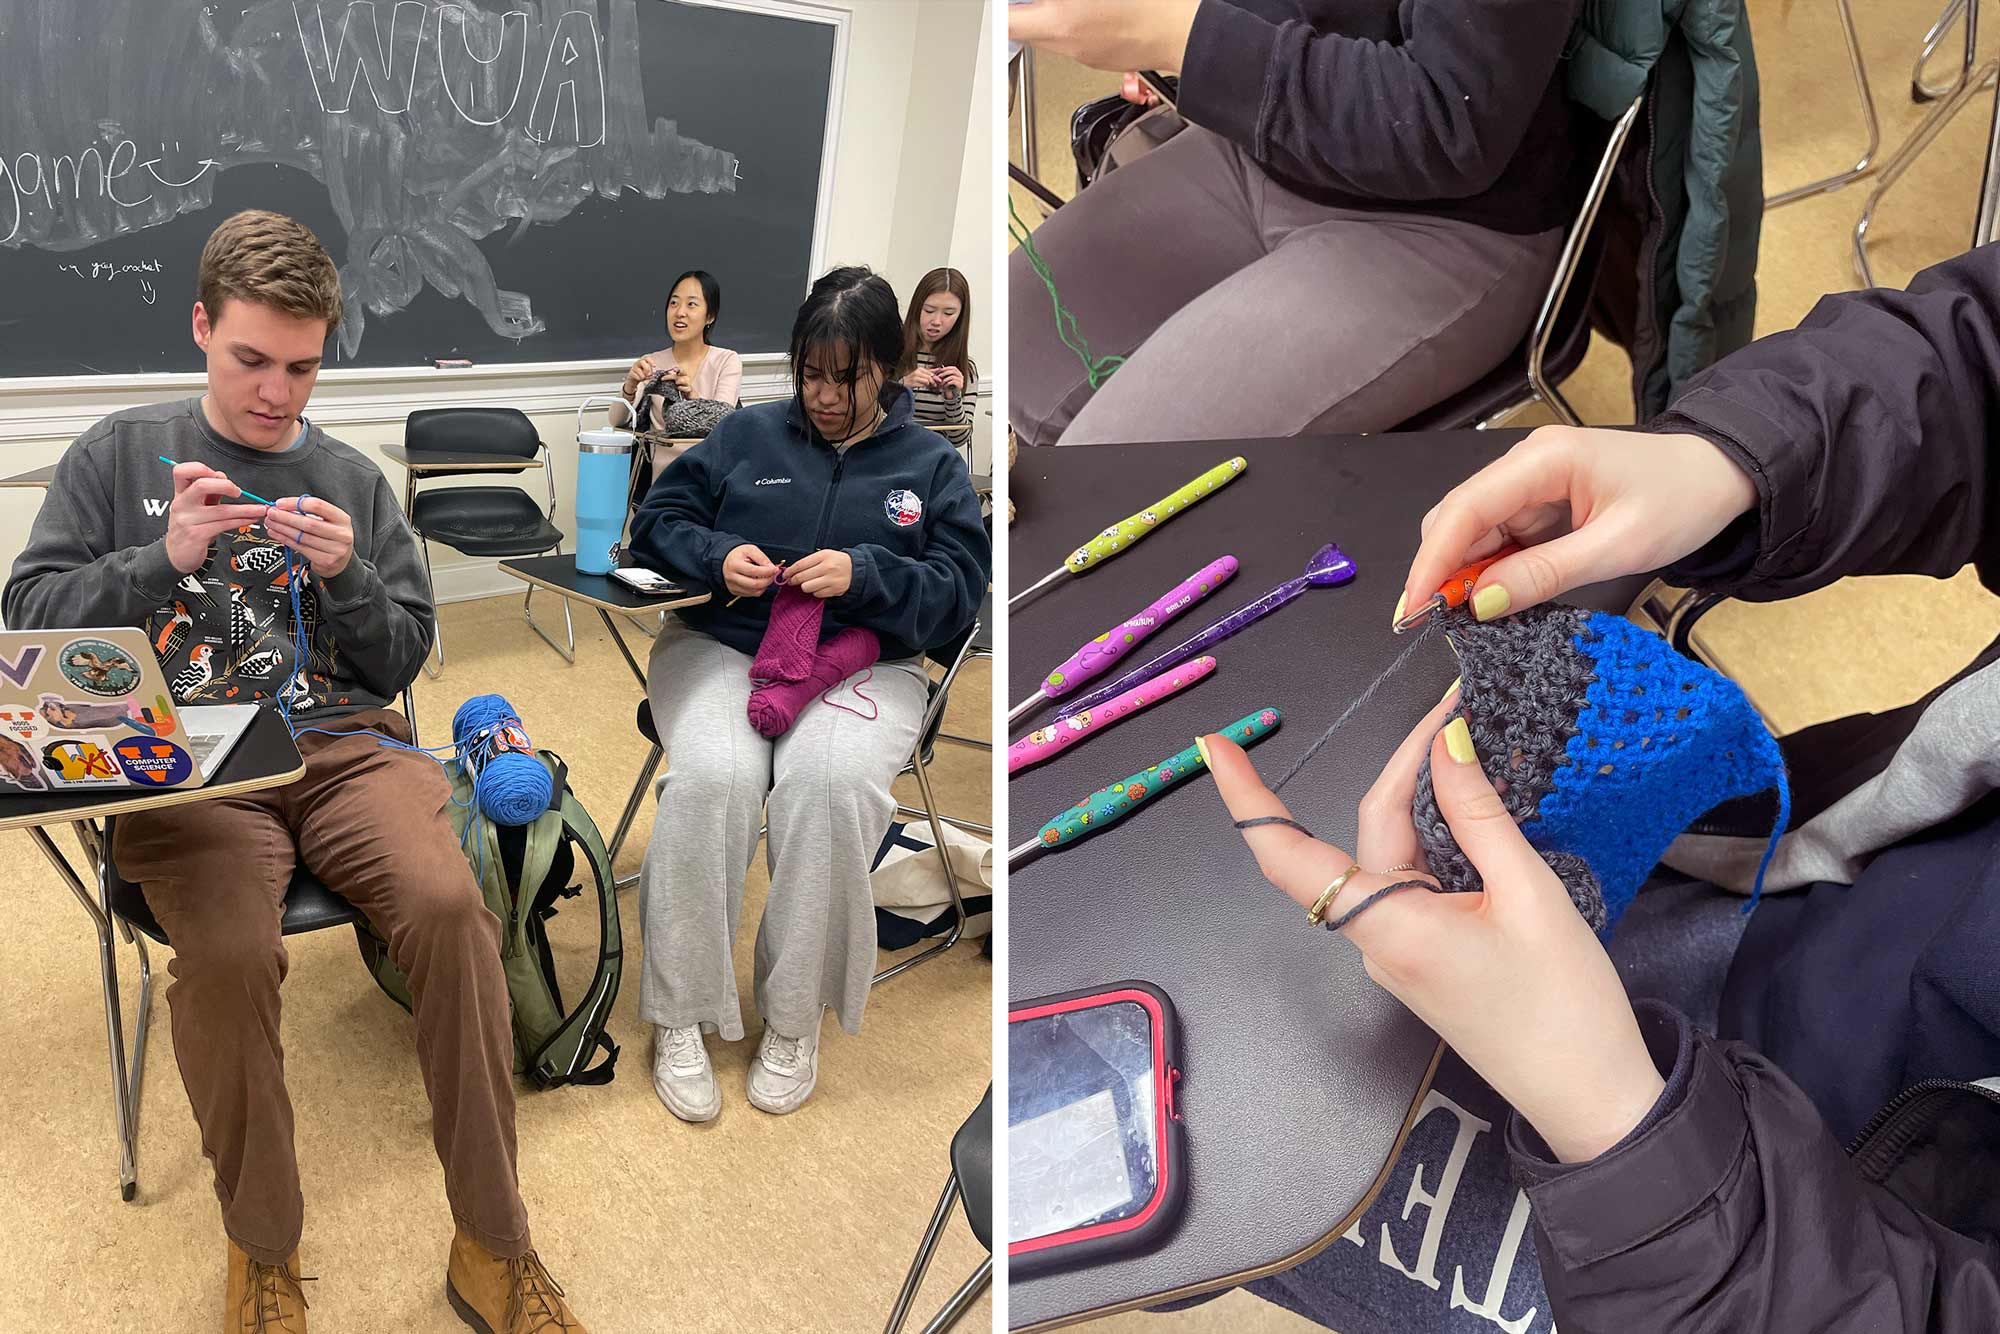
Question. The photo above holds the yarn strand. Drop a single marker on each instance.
(1096, 369)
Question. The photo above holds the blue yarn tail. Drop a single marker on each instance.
(1771, 848)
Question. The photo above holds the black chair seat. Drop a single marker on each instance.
(972, 1164)
(646, 727)
(485, 521)
(309, 906)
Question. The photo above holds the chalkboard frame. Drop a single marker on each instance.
(143, 385)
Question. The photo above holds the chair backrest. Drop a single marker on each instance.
(972, 1164)
(470, 431)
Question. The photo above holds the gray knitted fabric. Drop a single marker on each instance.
(1521, 682)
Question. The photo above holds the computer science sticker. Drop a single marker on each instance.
(150, 762)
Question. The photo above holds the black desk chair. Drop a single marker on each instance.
(972, 1180)
(483, 520)
(309, 906)
(975, 642)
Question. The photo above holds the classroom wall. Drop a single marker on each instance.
(884, 211)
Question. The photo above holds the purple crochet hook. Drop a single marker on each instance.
(1328, 568)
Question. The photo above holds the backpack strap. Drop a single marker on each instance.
(560, 1057)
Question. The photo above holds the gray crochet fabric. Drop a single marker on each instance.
(683, 418)
(1521, 683)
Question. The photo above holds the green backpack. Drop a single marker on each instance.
(522, 871)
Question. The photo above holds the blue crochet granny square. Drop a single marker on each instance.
(1605, 744)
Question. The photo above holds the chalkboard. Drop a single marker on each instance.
(499, 180)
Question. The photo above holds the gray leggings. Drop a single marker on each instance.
(1247, 311)
(823, 786)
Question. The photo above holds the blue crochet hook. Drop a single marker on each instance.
(247, 495)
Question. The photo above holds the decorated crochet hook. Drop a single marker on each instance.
(1328, 567)
(1454, 590)
(1123, 535)
(247, 495)
(1048, 742)
(1110, 804)
(1098, 655)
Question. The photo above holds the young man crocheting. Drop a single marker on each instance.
(123, 539)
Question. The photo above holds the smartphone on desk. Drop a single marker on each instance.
(1096, 1161)
(649, 582)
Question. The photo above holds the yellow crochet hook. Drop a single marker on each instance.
(1122, 536)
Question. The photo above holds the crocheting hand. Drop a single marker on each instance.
(824, 574)
(1586, 505)
(1511, 977)
(747, 571)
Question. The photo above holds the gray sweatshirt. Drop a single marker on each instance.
(227, 634)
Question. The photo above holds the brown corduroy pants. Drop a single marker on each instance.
(370, 821)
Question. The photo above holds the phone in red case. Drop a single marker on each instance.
(1096, 1152)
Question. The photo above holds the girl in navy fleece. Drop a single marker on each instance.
(858, 506)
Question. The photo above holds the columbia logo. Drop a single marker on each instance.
(774, 481)
(155, 507)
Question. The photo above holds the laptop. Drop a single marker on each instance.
(84, 709)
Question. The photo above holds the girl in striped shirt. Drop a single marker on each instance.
(935, 367)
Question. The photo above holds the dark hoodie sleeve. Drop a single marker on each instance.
(1437, 116)
(674, 529)
(1733, 1208)
(925, 601)
(1868, 433)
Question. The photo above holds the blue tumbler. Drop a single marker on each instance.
(603, 483)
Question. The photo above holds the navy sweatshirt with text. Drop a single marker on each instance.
(900, 503)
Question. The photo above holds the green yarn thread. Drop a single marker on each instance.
(1096, 369)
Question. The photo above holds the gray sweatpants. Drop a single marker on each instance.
(1245, 310)
(823, 786)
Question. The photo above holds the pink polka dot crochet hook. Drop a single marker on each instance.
(1097, 655)
(1048, 742)
(1110, 804)
(1122, 536)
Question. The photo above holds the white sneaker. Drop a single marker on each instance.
(682, 1075)
(783, 1075)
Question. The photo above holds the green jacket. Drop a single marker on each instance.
(1678, 284)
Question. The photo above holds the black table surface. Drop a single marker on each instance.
(560, 573)
(1300, 1074)
(264, 756)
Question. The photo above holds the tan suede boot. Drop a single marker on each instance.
(264, 1299)
(501, 1296)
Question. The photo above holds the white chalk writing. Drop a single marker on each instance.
(51, 178)
(100, 270)
(353, 50)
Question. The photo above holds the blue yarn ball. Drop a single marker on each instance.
(512, 787)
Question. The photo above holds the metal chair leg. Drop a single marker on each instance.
(1828, 184)
(1920, 91)
(950, 879)
(646, 772)
(1899, 162)
(962, 1300)
(569, 629)
(922, 1263)
(125, 1085)
(437, 619)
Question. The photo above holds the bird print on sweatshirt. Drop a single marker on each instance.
(229, 635)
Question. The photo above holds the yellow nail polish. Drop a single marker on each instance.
(1202, 748)
(1448, 690)
(1490, 601)
(1458, 741)
(1396, 617)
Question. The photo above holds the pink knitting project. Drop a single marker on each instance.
(792, 666)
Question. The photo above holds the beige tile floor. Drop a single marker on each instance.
(754, 1222)
(1862, 645)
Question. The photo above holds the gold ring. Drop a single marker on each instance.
(1399, 866)
(1317, 913)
